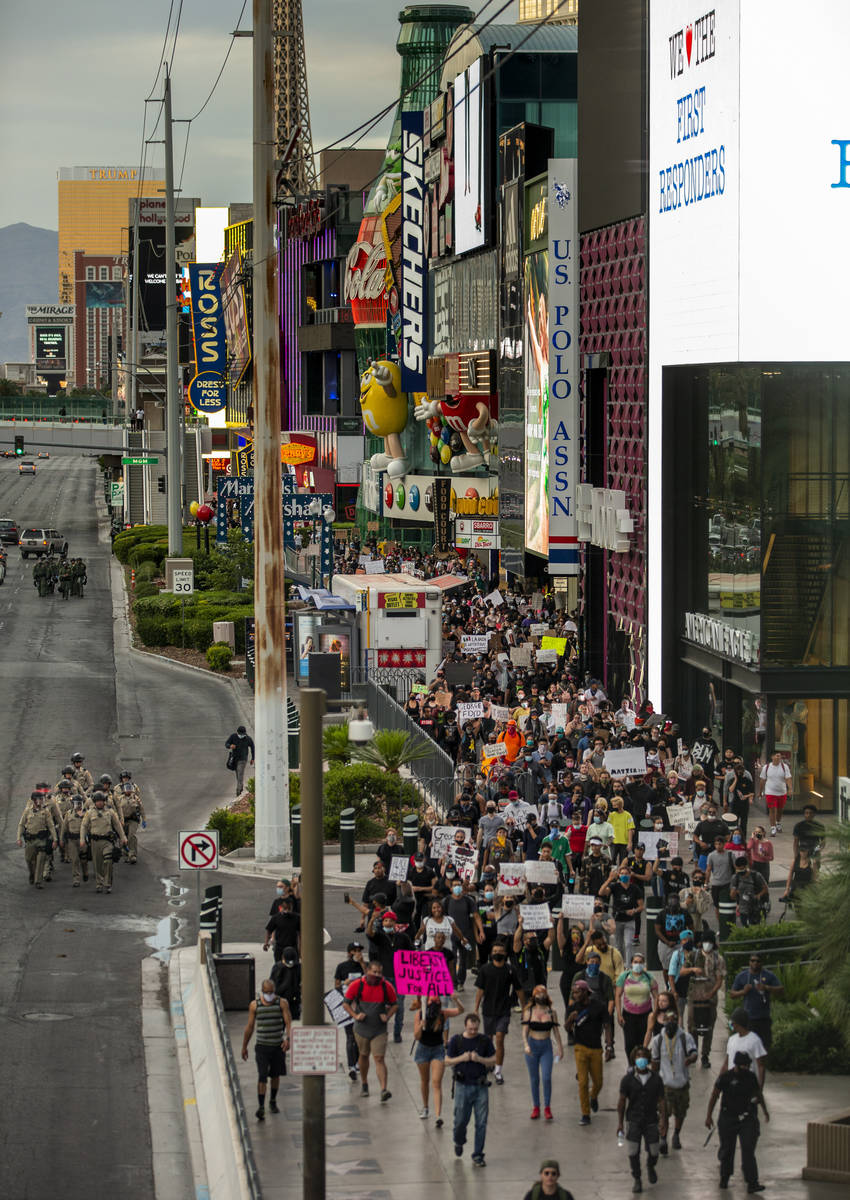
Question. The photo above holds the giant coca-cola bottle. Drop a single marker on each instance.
(426, 30)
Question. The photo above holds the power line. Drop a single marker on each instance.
(162, 53)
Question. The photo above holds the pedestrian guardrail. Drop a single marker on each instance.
(434, 774)
(251, 1172)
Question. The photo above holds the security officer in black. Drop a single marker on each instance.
(740, 1096)
(646, 1117)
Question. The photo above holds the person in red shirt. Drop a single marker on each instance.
(372, 1002)
(577, 833)
(760, 852)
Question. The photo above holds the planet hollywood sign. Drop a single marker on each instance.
(739, 645)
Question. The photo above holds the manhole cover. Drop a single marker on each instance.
(47, 1016)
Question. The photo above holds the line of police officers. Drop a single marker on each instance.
(86, 822)
(68, 573)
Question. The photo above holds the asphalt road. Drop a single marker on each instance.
(75, 1118)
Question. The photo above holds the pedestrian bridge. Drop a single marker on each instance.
(67, 436)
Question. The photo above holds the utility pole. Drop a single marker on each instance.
(271, 813)
(172, 400)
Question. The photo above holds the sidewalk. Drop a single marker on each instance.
(386, 1152)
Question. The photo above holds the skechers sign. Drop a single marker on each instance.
(414, 264)
(207, 391)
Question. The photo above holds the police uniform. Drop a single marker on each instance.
(53, 808)
(71, 778)
(38, 833)
(131, 811)
(76, 850)
(84, 779)
(99, 828)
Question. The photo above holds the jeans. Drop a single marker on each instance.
(469, 1098)
(399, 1019)
(623, 931)
(539, 1061)
(588, 1067)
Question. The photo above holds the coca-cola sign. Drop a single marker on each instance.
(305, 220)
(365, 275)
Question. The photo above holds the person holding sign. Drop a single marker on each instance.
(372, 1002)
(429, 1031)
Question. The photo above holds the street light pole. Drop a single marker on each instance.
(271, 823)
(312, 934)
(172, 400)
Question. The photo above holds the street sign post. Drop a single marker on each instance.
(314, 1050)
(183, 581)
(197, 850)
(140, 461)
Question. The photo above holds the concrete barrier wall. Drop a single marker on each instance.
(83, 438)
(226, 1176)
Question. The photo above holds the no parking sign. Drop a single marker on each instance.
(198, 850)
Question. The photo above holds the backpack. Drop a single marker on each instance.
(560, 1194)
(362, 984)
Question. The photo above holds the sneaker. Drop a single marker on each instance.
(585, 1120)
(397, 1038)
(261, 1114)
(499, 1077)
(364, 1091)
(273, 1107)
(636, 937)
(724, 1182)
(547, 1113)
(651, 1173)
(438, 1124)
(535, 1112)
(677, 1145)
(97, 889)
(109, 889)
(778, 826)
(637, 1186)
(385, 1096)
(40, 887)
(705, 1061)
(424, 1114)
(594, 1105)
(352, 1074)
(478, 1160)
(458, 1150)
(75, 885)
(755, 1187)
(773, 831)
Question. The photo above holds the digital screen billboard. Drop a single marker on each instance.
(471, 206)
(51, 347)
(535, 295)
(104, 293)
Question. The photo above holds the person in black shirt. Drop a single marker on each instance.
(286, 977)
(706, 831)
(642, 1113)
(390, 849)
(286, 890)
(348, 970)
(378, 885)
(587, 1016)
(626, 904)
(496, 982)
(285, 928)
(470, 1055)
(740, 1096)
(808, 833)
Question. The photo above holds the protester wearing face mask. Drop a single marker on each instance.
(682, 966)
(703, 993)
(642, 1116)
(760, 852)
(389, 848)
(748, 890)
(372, 1003)
(349, 970)
(740, 1096)
(673, 1051)
(587, 1021)
(269, 1015)
(540, 1031)
(496, 982)
(462, 910)
(626, 904)
(385, 938)
(696, 902)
(635, 996)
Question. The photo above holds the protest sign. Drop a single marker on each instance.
(398, 868)
(420, 689)
(521, 656)
(650, 842)
(498, 713)
(470, 711)
(494, 598)
(535, 916)
(619, 763)
(449, 645)
(537, 600)
(578, 908)
(333, 1003)
(559, 716)
(537, 628)
(512, 879)
(463, 858)
(421, 973)
(541, 872)
(443, 836)
(554, 643)
(495, 750)
(375, 567)
(547, 656)
(459, 673)
(682, 814)
(474, 643)
(443, 699)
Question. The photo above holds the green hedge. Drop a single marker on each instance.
(145, 572)
(219, 656)
(805, 1042)
(366, 789)
(145, 588)
(234, 829)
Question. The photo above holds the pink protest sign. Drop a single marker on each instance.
(421, 973)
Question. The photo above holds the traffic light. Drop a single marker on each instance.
(19, 444)
(160, 484)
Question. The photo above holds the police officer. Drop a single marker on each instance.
(75, 849)
(101, 828)
(39, 577)
(81, 774)
(78, 577)
(740, 1096)
(52, 807)
(127, 800)
(118, 790)
(69, 775)
(37, 832)
(65, 575)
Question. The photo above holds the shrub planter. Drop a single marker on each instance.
(828, 1149)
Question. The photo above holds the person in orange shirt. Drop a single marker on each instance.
(513, 740)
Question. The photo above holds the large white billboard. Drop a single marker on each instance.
(470, 182)
(749, 202)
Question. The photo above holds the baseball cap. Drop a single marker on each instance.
(584, 985)
(354, 946)
(513, 795)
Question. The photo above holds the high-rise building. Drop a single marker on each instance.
(556, 12)
(100, 322)
(93, 213)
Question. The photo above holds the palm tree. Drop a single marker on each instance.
(336, 748)
(392, 749)
(825, 912)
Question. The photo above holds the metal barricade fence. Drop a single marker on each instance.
(432, 775)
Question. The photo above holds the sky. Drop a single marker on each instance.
(75, 76)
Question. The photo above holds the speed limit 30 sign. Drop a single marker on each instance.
(198, 850)
(183, 581)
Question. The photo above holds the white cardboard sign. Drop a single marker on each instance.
(536, 916)
(512, 879)
(620, 763)
(398, 868)
(578, 908)
(314, 1050)
(469, 711)
(443, 836)
(474, 643)
(651, 840)
(541, 872)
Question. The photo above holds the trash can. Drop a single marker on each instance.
(236, 981)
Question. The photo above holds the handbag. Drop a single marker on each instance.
(231, 760)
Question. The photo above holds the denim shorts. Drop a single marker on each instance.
(426, 1054)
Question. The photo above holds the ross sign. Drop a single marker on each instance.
(474, 643)
(421, 973)
(443, 836)
(414, 260)
(620, 763)
(207, 319)
(471, 711)
(207, 392)
(313, 1050)
(198, 850)
(535, 916)
(737, 644)
(578, 908)
(512, 879)
(563, 330)
(139, 461)
(398, 868)
(183, 581)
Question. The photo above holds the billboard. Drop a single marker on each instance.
(563, 308)
(51, 348)
(471, 204)
(414, 260)
(236, 331)
(535, 288)
(152, 254)
(104, 293)
(53, 314)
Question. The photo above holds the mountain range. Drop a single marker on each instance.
(29, 274)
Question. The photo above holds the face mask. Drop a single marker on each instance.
(687, 945)
(388, 928)
(597, 819)
(671, 1027)
(488, 895)
(268, 997)
(637, 968)
(456, 891)
(592, 970)
(625, 879)
(737, 838)
(707, 947)
(279, 891)
(658, 828)
(391, 839)
(450, 875)
(642, 1064)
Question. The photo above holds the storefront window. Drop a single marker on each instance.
(812, 735)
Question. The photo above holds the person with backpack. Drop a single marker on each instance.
(673, 1051)
(471, 1055)
(429, 1032)
(372, 1002)
(748, 890)
(239, 747)
(547, 1185)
